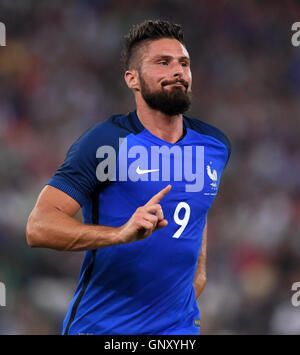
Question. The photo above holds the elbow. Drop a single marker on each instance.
(201, 283)
(204, 281)
(32, 235)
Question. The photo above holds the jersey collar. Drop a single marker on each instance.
(138, 127)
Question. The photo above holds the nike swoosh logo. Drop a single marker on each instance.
(140, 171)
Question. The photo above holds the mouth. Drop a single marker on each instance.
(177, 83)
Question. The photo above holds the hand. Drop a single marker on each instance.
(145, 220)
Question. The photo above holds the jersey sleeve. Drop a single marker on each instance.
(228, 146)
(77, 175)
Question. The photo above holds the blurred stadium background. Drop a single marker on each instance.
(60, 74)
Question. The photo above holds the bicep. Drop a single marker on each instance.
(53, 198)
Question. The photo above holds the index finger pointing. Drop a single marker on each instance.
(156, 198)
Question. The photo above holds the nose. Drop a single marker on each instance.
(178, 70)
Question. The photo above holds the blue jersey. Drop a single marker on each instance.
(143, 287)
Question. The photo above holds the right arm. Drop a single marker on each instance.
(51, 224)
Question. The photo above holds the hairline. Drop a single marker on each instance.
(136, 48)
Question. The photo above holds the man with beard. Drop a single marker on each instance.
(144, 233)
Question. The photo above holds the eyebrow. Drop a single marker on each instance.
(161, 56)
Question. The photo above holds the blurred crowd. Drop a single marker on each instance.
(60, 74)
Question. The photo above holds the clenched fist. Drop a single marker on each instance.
(145, 220)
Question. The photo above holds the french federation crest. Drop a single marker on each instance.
(213, 175)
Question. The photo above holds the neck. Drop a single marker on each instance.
(168, 128)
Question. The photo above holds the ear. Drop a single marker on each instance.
(132, 79)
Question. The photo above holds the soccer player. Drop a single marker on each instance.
(145, 182)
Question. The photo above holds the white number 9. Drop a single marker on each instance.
(182, 222)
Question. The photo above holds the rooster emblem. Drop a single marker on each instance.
(213, 175)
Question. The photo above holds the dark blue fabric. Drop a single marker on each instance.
(143, 287)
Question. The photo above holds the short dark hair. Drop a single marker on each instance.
(146, 31)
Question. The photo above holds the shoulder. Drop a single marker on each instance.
(115, 124)
(77, 175)
(107, 132)
(205, 128)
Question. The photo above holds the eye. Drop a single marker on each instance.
(184, 64)
(163, 62)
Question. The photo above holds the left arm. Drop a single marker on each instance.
(200, 274)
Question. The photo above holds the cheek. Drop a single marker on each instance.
(156, 72)
(153, 81)
(189, 76)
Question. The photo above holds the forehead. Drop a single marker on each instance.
(164, 47)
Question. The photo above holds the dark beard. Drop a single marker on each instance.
(173, 102)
